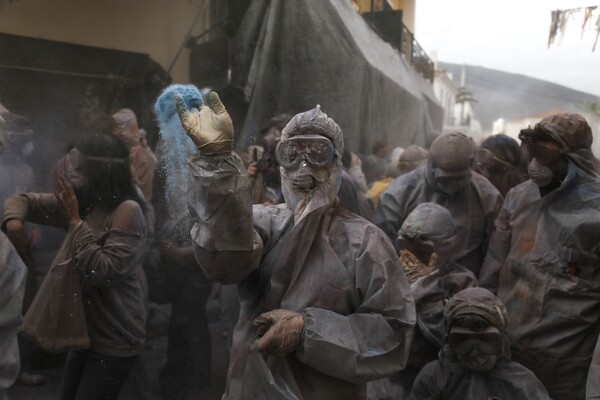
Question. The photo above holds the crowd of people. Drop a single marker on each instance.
(456, 271)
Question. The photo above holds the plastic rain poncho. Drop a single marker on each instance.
(474, 209)
(447, 379)
(334, 268)
(544, 262)
(12, 288)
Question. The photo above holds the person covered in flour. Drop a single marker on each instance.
(325, 304)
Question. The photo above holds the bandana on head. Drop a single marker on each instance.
(573, 135)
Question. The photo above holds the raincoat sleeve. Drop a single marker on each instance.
(12, 288)
(593, 380)
(225, 243)
(391, 210)
(498, 248)
(374, 341)
(39, 208)
(113, 257)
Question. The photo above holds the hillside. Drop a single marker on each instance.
(507, 95)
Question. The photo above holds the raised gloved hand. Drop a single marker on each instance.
(209, 127)
(279, 332)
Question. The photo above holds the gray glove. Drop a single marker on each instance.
(209, 127)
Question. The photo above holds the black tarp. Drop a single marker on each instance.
(58, 84)
(289, 56)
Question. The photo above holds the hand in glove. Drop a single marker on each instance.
(279, 332)
(209, 127)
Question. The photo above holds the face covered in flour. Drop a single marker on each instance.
(309, 157)
(450, 159)
(546, 162)
(307, 160)
(475, 325)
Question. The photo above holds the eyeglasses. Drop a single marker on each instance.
(463, 343)
(316, 150)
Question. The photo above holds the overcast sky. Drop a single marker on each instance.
(512, 36)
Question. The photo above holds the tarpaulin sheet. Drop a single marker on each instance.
(289, 56)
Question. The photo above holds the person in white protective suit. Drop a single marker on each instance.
(325, 304)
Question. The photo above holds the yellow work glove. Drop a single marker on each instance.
(209, 127)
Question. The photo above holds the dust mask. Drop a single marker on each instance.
(540, 174)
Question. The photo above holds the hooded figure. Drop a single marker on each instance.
(447, 180)
(474, 362)
(325, 305)
(412, 158)
(431, 223)
(544, 256)
(500, 160)
(428, 238)
(143, 164)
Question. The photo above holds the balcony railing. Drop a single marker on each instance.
(389, 26)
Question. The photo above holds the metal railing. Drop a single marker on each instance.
(389, 26)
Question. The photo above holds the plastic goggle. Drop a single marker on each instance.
(315, 150)
(463, 343)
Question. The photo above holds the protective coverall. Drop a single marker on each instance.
(432, 223)
(544, 262)
(447, 379)
(474, 207)
(335, 269)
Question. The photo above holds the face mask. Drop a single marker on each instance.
(477, 361)
(305, 177)
(540, 174)
(27, 149)
(451, 187)
(475, 351)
